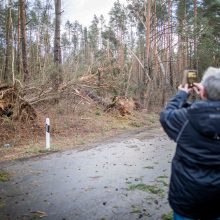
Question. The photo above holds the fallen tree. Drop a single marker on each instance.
(19, 104)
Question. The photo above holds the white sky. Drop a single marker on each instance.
(84, 10)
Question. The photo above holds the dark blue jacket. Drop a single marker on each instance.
(195, 179)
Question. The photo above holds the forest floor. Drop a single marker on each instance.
(72, 126)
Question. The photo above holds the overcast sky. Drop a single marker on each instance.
(84, 10)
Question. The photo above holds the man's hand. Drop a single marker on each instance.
(185, 88)
(198, 87)
(200, 90)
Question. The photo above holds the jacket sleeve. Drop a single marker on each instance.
(173, 117)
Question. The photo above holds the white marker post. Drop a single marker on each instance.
(47, 133)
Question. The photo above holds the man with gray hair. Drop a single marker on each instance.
(194, 191)
(211, 83)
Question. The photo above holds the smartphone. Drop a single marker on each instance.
(190, 77)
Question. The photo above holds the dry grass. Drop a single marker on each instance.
(74, 123)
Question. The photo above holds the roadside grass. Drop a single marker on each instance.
(163, 179)
(154, 189)
(4, 176)
(2, 203)
(135, 209)
(149, 167)
(167, 216)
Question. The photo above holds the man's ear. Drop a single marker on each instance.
(203, 93)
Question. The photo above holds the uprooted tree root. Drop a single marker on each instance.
(17, 117)
(123, 105)
(12, 105)
(120, 104)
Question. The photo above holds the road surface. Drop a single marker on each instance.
(124, 178)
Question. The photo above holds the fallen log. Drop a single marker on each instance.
(121, 104)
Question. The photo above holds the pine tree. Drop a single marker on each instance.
(93, 37)
(8, 76)
(24, 40)
(57, 46)
(208, 34)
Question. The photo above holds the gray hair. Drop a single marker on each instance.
(211, 83)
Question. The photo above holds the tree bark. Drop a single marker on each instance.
(169, 41)
(57, 45)
(195, 35)
(24, 41)
(18, 62)
(146, 74)
(8, 76)
(148, 30)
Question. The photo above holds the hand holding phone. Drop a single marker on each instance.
(190, 77)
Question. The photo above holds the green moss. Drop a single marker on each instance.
(149, 167)
(135, 209)
(147, 188)
(98, 113)
(163, 180)
(44, 151)
(167, 216)
(162, 177)
(128, 182)
(2, 203)
(4, 176)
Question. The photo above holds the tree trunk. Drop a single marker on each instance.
(57, 47)
(182, 63)
(148, 30)
(121, 54)
(86, 56)
(8, 76)
(18, 61)
(24, 41)
(195, 35)
(155, 34)
(147, 50)
(169, 41)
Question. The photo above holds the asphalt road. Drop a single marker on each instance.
(124, 178)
